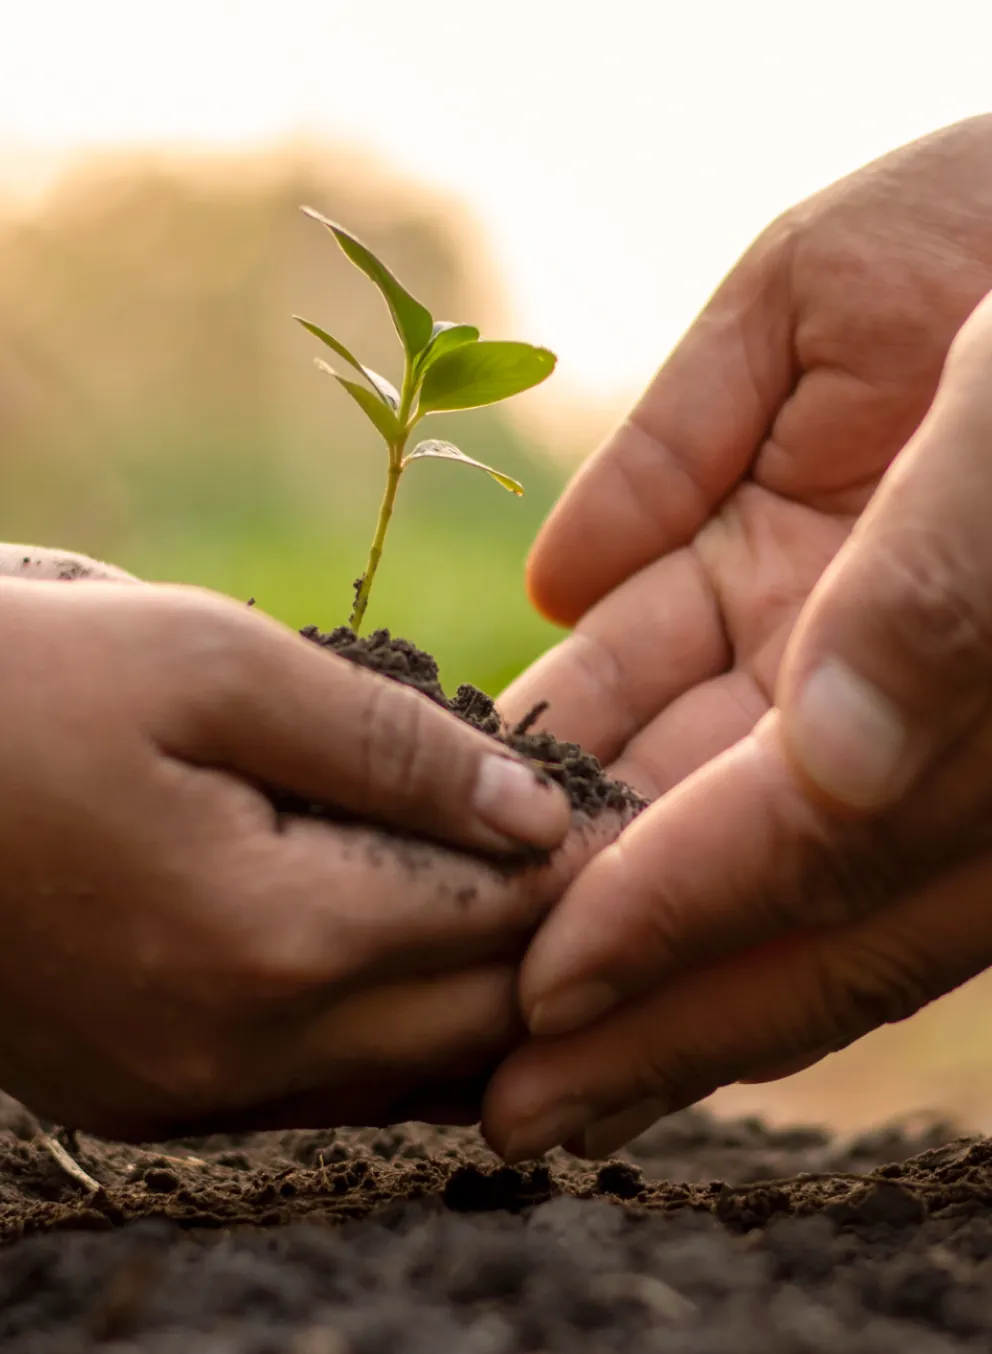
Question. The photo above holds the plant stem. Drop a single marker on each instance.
(396, 450)
(375, 554)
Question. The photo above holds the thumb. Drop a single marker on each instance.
(892, 657)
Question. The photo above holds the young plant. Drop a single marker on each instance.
(445, 366)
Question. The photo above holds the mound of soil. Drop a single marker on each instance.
(580, 774)
(414, 1240)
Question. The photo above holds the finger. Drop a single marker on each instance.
(738, 853)
(356, 906)
(787, 1067)
(711, 1027)
(655, 636)
(732, 856)
(43, 565)
(892, 656)
(910, 602)
(696, 728)
(291, 715)
(690, 438)
(367, 1058)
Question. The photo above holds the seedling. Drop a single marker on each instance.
(446, 366)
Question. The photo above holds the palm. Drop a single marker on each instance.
(761, 556)
(686, 550)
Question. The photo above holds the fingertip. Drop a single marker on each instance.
(548, 587)
(512, 800)
(571, 1007)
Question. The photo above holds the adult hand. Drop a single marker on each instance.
(686, 548)
(830, 872)
(784, 910)
(175, 954)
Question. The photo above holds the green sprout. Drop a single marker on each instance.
(446, 366)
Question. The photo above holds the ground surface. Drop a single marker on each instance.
(414, 1239)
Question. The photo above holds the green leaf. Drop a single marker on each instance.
(445, 339)
(413, 322)
(386, 392)
(445, 451)
(481, 373)
(379, 414)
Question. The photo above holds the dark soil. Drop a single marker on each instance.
(582, 777)
(415, 1239)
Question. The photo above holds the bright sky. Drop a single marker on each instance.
(619, 155)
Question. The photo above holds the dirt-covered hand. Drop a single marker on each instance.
(42, 564)
(175, 952)
(829, 873)
(686, 548)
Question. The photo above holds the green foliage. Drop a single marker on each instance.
(446, 451)
(413, 322)
(447, 336)
(482, 373)
(383, 388)
(447, 366)
(381, 413)
(201, 454)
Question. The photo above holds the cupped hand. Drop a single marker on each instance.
(176, 954)
(830, 872)
(684, 551)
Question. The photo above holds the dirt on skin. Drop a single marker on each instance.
(414, 1240)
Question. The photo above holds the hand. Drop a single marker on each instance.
(687, 547)
(41, 564)
(829, 873)
(175, 955)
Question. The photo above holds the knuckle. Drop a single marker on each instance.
(396, 756)
(284, 972)
(206, 638)
(859, 984)
(829, 874)
(655, 923)
(661, 1073)
(599, 668)
(934, 613)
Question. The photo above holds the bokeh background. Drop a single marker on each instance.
(579, 176)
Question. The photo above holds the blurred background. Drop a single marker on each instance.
(579, 177)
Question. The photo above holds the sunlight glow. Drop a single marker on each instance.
(618, 157)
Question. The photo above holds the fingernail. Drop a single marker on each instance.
(511, 800)
(848, 737)
(550, 1129)
(571, 1008)
(608, 1135)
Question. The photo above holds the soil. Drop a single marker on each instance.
(591, 791)
(414, 1240)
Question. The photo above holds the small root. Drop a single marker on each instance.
(67, 1164)
(529, 720)
(181, 1161)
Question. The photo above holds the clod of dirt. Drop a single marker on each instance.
(591, 791)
